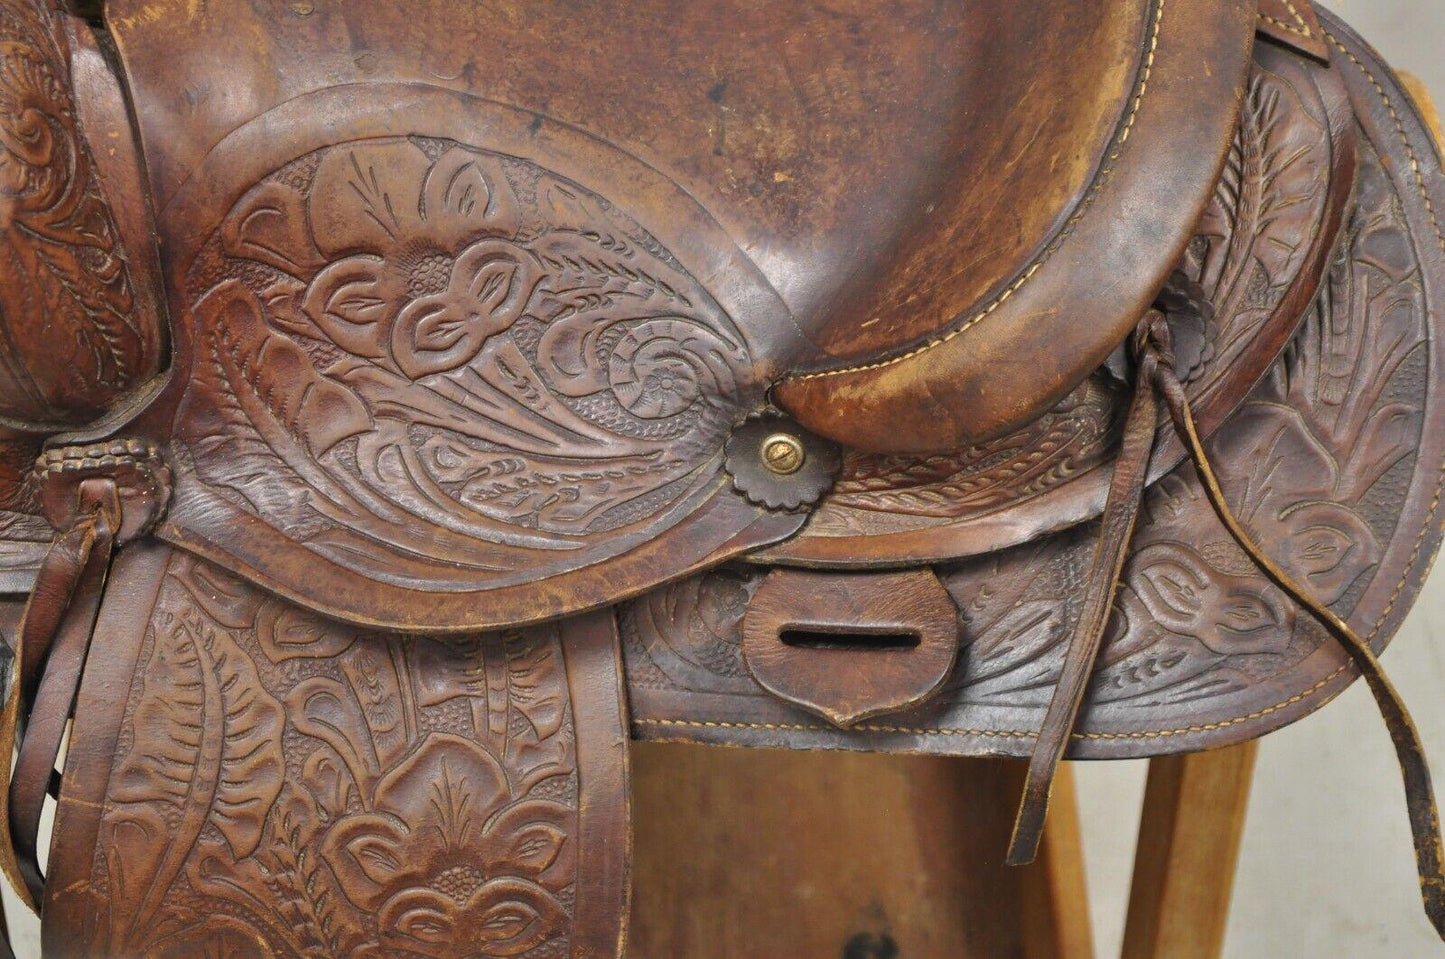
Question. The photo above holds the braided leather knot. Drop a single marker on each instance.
(67, 478)
(1152, 346)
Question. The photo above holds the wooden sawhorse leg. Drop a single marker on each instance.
(757, 854)
(1189, 837)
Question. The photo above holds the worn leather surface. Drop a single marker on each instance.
(252, 777)
(1334, 460)
(486, 390)
(1260, 252)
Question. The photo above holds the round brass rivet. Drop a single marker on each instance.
(783, 454)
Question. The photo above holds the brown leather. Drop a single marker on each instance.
(977, 378)
(49, 698)
(1419, 793)
(1121, 514)
(44, 616)
(1261, 251)
(1294, 24)
(850, 647)
(80, 329)
(356, 791)
(493, 327)
(1349, 403)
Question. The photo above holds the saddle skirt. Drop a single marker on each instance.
(417, 401)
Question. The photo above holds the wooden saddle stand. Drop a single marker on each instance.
(404, 405)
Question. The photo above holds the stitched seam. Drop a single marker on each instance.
(1414, 557)
(1003, 733)
(1099, 180)
(1287, 27)
(1304, 26)
(1439, 236)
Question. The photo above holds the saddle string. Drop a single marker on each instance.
(1121, 513)
(1419, 793)
(1157, 379)
(53, 699)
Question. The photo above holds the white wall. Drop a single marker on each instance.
(1327, 869)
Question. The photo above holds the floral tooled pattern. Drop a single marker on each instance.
(449, 861)
(1313, 463)
(406, 263)
(60, 253)
(457, 356)
(295, 787)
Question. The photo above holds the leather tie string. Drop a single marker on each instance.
(1121, 513)
(1419, 793)
(1157, 379)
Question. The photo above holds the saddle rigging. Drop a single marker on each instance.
(403, 409)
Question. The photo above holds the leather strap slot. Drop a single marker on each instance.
(848, 640)
(847, 647)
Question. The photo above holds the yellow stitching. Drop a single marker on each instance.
(1440, 236)
(1439, 494)
(1057, 242)
(1002, 733)
(1299, 19)
(1287, 27)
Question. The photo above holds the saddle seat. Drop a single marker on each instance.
(892, 175)
(464, 388)
(731, 233)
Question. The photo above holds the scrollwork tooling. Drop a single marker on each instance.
(1312, 462)
(293, 786)
(457, 354)
(74, 340)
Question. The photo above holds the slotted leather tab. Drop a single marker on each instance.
(851, 646)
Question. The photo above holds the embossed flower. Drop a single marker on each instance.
(449, 862)
(399, 258)
(1224, 605)
(1306, 523)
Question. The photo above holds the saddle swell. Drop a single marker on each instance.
(505, 407)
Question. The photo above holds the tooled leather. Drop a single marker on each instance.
(1260, 253)
(1377, 229)
(77, 335)
(1300, 401)
(358, 793)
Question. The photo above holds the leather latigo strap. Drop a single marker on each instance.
(1156, 377)
(252, 776)
(98, 497)
(1419, 793)
(1121, 514)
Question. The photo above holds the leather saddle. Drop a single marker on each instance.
(404, 405)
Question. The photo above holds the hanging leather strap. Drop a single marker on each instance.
(1121, 513)
(45, 614)
(62, 654)
(1419, 794)
(1156, 378)
(97, 497)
